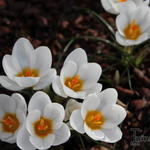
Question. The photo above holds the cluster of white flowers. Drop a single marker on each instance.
(133, 20)
(40, 125)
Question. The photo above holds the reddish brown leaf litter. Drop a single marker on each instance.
(53, 23)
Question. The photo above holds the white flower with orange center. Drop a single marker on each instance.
(12, 116)
(27, 67)
(78, 78)
(115, 6)
(99, 117)
(44, 126)
(133, 26)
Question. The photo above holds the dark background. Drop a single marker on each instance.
(53, 23)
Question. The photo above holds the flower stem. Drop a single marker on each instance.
(64, 50)
(82, 143)
(114, 148)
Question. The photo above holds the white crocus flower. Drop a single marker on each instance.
(27, 67)
(115, 6)
(44, 125)
(133, 26)
(77, 78)
(12, 116)
(99, 117)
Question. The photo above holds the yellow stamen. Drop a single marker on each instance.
(28, 72)
(74, 83)
(132, 31)
(94, 119)
(43, 127)
(10, 123)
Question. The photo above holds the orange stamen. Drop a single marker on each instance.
(74, 83)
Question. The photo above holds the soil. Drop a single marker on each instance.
(53, 23)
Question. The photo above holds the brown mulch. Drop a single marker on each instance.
(53, 23)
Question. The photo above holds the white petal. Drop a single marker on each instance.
(68, 70)
(78, 56)
(46, 80)
(7, 104)
(20, 102)
(11, 139)
(91, 102)
(142, 17)
(95, 89)
(108, 97)
(90, 74)
(32, 117)
(23, 139)
(23, 52)
(94, 134)
(4, 136)
(9, 68)
(26, 82)
(43, 59)
(122, 40)
(126, 7)
(21, 116)
(9, 84)
(48, 141)
(76, 121)
(38, 101)
(58, 87)
(61, 135)
(42, 144)
(122, 21)
(145, 36)
(114, 115)
(73, 94)
(70, 107)
(2, 113)
(109, 6)
(56, 113)
(112, 135)
(126, 42)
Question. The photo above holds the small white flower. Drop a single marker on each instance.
(133, 26)
(12, 116)
(27, 67)
(115, 6)
(77, 78)
(44, 125)
(70, 107)
(99, 117)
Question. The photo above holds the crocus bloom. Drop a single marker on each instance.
(99, 117)
(27, 67)
(133, 26)
(12, 116)
(44, 126)
(77, 78)
(115, 6)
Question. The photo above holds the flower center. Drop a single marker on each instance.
(74, 83)
(122, 0)
(132, 31)
(94, 119)
(10, 123)
(43, 127)
(28, 72)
